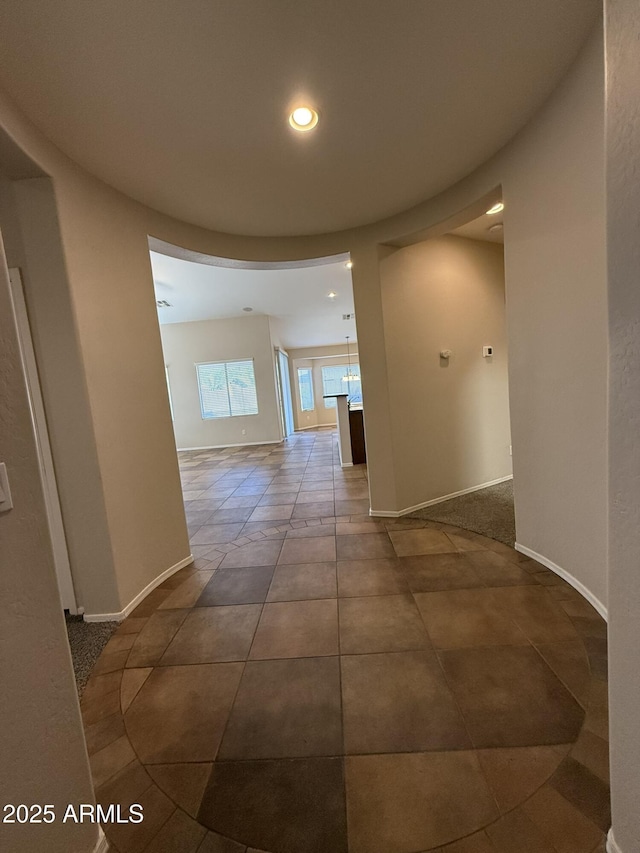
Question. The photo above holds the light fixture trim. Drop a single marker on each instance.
(332, 294)
(349, 265)
(493, 229)
(498, 207)
(303, 119)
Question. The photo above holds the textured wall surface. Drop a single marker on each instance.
(623, 211)
(42, 752)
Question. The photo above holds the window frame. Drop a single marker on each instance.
(330, 402)
(226, 362)
(309, 370)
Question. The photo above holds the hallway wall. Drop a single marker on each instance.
(450, 417)
(42, 750)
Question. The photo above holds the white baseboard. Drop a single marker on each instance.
(565, 575)
(102, 844)
(118, 617)
(221, 446)
(612, 847)
(380, 513)
(346, 464)
(315, 426)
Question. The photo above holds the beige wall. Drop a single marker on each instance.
(185, 345)
(623, 209)
(450, 418)
(42, 751)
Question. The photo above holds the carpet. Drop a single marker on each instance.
(86, 641)
(488, 512)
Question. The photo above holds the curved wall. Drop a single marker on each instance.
(552, 179)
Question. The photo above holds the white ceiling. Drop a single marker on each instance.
(183, 104)
(478, 229)
(296, 299)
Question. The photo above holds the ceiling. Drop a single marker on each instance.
(296, 299)
(183, 104)
(478, 229)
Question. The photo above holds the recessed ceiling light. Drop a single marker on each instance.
(497, 227)
(497, 208)
(303, 119)
(349, 265)
(331, 295)
(247, 309)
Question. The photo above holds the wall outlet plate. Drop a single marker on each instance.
(487, 352)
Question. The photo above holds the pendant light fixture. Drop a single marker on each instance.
(349, 377)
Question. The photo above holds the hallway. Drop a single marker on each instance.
(322, 682)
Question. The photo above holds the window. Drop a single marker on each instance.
(333, 383)
(305, 384)
(227, 389)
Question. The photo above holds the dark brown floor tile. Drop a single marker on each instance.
(214, 534)
(538, 616)
(180, 834)
(407, 543)
(135, 837)
(570, 663)
(100, 707)
(593, 752)
(387, 797)
(110, 662)
(286, 709)
(100, 685)
(292, 629)
(119, 643)
(180, 712)
(476, 843)
(285, 806)
(517, 833)
(467, 617)
(561, 823)
(510, 697)
(303, 581)
(316, 549)
(214, 634)
(358, 578)
(187, 593)
(389, 623)
(399, 702)
(597, 719)
(237, 586)
(182, 783)
(586, 791)
(364, 546)
(215, 843)
(261, 553)
(514, 774)
(360, 524)
(126, 786)
(145, 608)
(431, 572)
(132, 681)
(110, 760)
(313, 510)
(105, 731)
(154, 638)
(464, 540)
(496, 570)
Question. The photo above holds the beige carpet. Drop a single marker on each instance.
(488, 511)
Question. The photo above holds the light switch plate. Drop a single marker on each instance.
(5, 492)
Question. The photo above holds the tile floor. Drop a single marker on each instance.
(321, 682)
